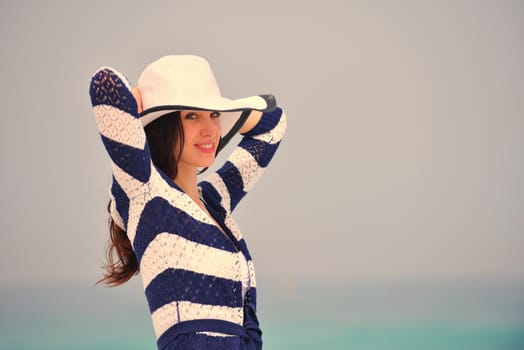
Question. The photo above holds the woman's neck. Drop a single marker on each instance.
(186, 179)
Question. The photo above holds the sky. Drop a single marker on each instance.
(403, 157)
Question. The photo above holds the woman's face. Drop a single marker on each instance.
(201, 136)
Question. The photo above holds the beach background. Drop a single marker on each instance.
(457, 315)
(391, 218)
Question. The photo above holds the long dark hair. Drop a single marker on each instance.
(164, 135)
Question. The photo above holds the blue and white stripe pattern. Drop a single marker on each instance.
(190, 269)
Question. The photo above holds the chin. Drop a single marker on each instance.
(206, 163)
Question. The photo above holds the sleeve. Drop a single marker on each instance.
(247, 162)
(123, 136)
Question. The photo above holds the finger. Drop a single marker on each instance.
(138, 98)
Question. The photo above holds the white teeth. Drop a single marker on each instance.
(206, 145)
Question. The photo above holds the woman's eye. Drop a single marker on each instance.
(215, 114)
(190, 116)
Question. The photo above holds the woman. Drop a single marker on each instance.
(196, 269)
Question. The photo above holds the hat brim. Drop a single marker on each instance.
(233, 112)
(260, 103)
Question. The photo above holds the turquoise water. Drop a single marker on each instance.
(397, 315)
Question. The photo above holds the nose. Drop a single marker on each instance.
(209, 127)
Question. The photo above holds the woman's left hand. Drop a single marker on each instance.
(251, 121)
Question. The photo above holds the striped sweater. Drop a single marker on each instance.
(189, 268)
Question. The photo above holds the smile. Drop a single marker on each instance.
(206, 147)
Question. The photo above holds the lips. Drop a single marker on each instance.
(207, 147)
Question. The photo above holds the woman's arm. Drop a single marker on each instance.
(123, 136)
(262, 135)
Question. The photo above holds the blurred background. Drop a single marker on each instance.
(391, 218)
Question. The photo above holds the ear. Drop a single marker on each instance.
(138, 98)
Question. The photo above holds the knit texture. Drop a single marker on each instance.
(190, 269)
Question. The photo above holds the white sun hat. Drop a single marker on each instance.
(186, 82)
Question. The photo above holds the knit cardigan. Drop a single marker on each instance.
(190, 269)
